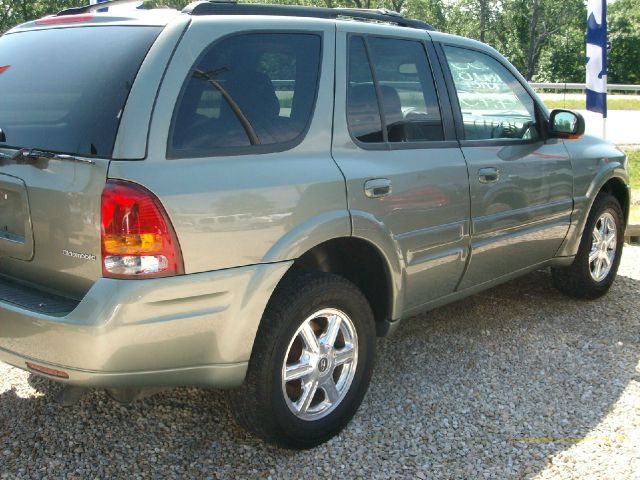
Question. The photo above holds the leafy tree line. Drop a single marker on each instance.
(544, 39)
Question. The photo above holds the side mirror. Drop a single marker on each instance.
(566, 124)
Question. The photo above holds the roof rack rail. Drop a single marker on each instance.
(230, 7)
(93, 7)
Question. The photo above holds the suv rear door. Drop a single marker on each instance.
(408, 177)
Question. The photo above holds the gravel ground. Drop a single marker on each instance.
(516, 382)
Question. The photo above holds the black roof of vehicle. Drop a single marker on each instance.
(231, 7)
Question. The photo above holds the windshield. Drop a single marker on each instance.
(63, 90)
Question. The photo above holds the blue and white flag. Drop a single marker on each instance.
(127, 6)
(597, 56)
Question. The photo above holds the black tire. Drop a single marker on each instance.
(259, 405)
(576, 280)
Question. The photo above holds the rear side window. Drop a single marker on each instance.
(409, 97)
(401, 84)
(64, 89)
(248, 93)
(363, 112)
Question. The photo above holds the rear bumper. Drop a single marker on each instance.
(194, 329)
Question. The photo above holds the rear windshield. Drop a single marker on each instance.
(64, 89)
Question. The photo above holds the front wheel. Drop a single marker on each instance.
(596, 264)
(311, 363)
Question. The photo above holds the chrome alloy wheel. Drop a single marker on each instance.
(320, 364)
(603, 247)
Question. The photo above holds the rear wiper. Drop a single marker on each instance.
(36, 154)
(235, 108)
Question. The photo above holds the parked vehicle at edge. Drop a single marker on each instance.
(244, 196)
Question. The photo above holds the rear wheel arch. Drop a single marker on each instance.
(360, 262)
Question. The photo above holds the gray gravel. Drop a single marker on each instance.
(516, 382)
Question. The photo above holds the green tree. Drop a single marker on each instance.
(430, 11)
(474, 18)
(177, 4)
(624, 36)
(527, 28)
(14, 12)
(563, 59)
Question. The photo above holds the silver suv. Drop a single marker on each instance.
(243, 196)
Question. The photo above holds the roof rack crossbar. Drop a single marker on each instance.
(94, 7)
(232, 8)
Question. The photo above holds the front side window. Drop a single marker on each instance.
(403, 87)
(248, 91)
(494, 104)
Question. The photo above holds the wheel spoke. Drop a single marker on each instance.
(330, 390)
(597, 234)
(594, 255)
(344, 355)
(333, 327)
(310, 339)
(309, 391)
(606, 261)
(599, 265)
(611, 228)
(602, 231)
(297, 370)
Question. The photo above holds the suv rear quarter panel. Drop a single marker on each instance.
(245, 209)
(131, 142)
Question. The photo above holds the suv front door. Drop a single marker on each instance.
(395, 143)
(521, 184)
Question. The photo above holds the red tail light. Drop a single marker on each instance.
(138, 240)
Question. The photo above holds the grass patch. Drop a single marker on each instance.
(579, 104)
(634, 180)
(634, 168)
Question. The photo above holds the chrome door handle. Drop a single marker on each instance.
(377, 187)
(488, 175)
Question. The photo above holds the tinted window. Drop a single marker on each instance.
(248, 91)
(363, 114)
(409, 99)
(405, 84)
(493, 103)
(64, 89)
